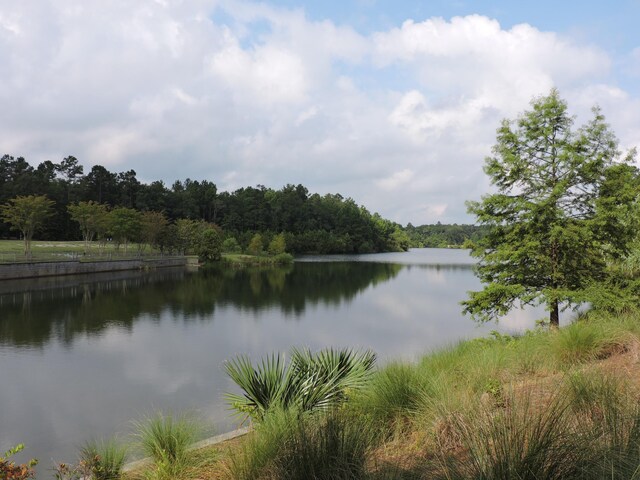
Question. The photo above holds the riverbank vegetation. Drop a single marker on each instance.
(544, 404)
(444, 236)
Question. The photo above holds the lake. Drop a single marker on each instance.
(84, 357)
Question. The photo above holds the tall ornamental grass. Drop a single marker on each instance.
(295, 445)
(166, 438)
(104, 459)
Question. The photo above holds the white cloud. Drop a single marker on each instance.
(267, 74)
(395, 181)
(268, 96)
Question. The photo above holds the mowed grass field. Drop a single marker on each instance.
(13, 250)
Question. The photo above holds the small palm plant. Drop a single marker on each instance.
(309, 382)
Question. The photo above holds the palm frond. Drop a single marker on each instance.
(310, 381)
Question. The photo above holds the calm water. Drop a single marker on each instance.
(83, 357)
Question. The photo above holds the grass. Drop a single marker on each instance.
(166, 439)
(546, 404)
(304, 446)
(535, 406)
(105, 459)
(13, 251)
(240, 259)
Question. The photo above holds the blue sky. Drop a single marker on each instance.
(612, 24)
(394, 104)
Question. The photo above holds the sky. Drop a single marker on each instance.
(392, 103)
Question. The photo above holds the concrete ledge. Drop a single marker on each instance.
(196, 446)
(13, 271)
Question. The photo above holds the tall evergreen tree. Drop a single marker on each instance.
(561, 210)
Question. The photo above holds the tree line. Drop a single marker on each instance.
(310, 223)
(442, 235)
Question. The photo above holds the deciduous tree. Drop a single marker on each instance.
(27, 215)
(92, 218)
(124, 225)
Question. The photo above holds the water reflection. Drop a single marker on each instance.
(66, 307)
(86, 356)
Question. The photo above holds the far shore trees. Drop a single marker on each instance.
(124, 226)
(92, 218)
(27, 214)
(255, 246)
(563, 208)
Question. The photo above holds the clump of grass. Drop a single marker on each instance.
(589, 390)
(103, 459)
(577, 343)
(605, 407)
(518, 442)
(303, 446)
(395, 394)
(587, 341)
(166, 438)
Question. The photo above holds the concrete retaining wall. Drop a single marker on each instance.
(47, 269)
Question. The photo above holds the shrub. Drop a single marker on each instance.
(231, 245)
(9, 470)
(208, 245)
(278, 245)
(255, 245)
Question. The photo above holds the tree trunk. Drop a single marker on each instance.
(554, 315)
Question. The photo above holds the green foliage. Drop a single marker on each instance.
(293, 446)
(309, 382)
(395, 394)
(278, 245)
(208, 245)
(153, 226)
(27, 214)
(560, 192)
(255, 246)
(443, 235)
(10, 471)
(400, 241)
(518, 442)
(588, 390)
(584, 341)
(124, 225)
(231, 245)
(165, 438)
(186, 231)
(105, 460)
(92, 218)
